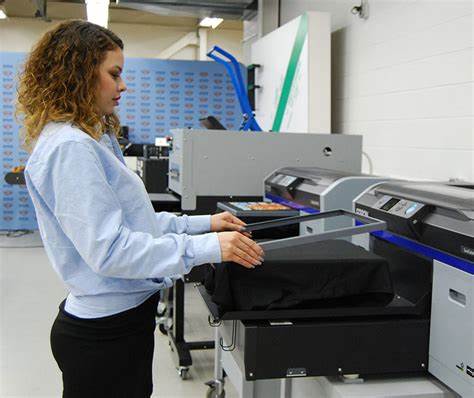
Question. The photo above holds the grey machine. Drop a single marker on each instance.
(315, 189)
(427, 236)
(210, 166)
(434, 223)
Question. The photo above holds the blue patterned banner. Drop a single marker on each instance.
(161, 95)
(16, 209)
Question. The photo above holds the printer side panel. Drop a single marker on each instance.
(180, 176)
(452, 333)
(235, 163)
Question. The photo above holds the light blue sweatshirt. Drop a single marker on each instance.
(99, 228)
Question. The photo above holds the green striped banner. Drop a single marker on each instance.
(290, 72)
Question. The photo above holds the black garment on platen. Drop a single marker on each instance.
(329, 273)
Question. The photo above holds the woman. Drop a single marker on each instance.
(99, 229)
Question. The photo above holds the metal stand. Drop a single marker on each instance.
(178, 344)
(228, 363)
(216, 386)
(285, 388)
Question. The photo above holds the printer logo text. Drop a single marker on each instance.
(467, 250)
(361, 212)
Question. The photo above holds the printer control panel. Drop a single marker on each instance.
(284, 181)
(284, 184)
(399, 207)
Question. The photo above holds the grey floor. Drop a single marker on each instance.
(29, 295)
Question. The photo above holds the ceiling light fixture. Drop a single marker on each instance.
(209, 22)
(98, 12)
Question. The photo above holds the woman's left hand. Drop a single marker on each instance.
(227, 222)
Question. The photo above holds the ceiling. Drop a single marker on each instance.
(184, 13)
(227, 9)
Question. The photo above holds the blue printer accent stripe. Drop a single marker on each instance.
(426, 251)
(293, 205)
(415, 247)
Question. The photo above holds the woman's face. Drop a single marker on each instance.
(110, 84)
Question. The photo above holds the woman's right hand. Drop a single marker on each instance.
(240, 249)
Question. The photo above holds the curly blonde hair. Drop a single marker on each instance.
(59, 81)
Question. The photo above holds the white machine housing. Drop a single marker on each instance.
(452, 328)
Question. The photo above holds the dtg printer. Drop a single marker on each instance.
(425, 231)
(315, 189)
(209, 166)
(433, 224)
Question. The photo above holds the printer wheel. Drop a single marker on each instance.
(163, 329)
(165, 323)
(183, 372)
(216, 389)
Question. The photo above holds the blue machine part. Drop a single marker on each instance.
(407, 244)
(233, 69)
(426, 251)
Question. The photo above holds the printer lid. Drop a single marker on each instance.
(318, 175)
(452, 197)
(435, 219)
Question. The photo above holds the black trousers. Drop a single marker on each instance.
(109, 357)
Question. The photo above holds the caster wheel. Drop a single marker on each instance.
(163, 329)
(183, 373)
(216, 389)
(165, 324)
(213, 393)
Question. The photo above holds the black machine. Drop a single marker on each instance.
(152, 167)
(211, 123)
(152, 161)
(154, 173)
(345, 334)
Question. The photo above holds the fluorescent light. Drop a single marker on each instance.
(3, 14)
(98, 12)
(209, 22)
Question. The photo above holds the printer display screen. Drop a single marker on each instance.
(392, 202)
(287, 181)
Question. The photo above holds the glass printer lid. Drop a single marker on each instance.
(318, 175)
(434, 193)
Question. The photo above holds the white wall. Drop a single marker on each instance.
(404, 80)
(140, 40)
(230, 40)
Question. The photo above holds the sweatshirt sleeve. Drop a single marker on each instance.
(169, 222)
